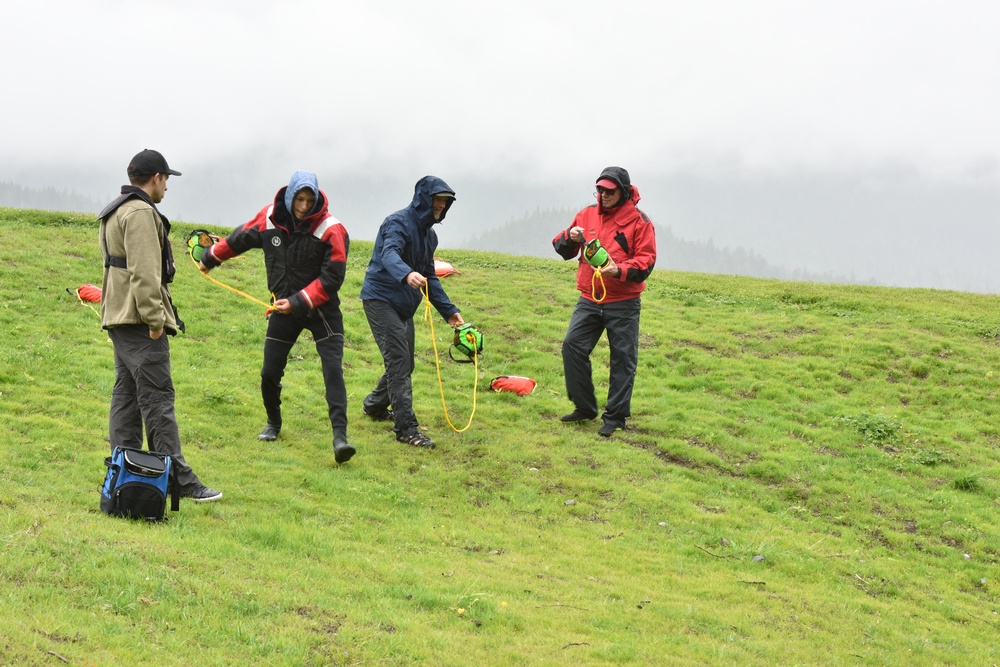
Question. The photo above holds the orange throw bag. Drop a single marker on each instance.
(91, 293)
(443, 268)
(521, 386)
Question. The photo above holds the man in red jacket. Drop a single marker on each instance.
(610, 278)
(305, 253)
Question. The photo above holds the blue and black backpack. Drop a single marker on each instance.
(137, 484)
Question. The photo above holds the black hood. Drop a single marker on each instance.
(622, 180)
(620, 176)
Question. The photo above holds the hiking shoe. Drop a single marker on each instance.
(380, 415)
(578, 416)
(342, 451)
(270, 432)
(416, 438)
(202, 494)
(608, 429)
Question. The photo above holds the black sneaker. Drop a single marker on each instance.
(578, 416)
(202, 494)
(270, 432)
(608, 429)
(416, 438)
(380, 416)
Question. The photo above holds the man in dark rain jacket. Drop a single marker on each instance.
(609, 296)
(402, 265)
(305, 253)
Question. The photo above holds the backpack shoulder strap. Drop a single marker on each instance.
(175, 488)
(103, 217)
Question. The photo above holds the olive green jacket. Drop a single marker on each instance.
(136, 294)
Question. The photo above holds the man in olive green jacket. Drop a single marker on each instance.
(136, 310)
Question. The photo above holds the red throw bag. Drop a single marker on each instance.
(521, 386)
(91, 293)
(443, 268)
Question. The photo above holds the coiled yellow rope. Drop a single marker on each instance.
(593, 288)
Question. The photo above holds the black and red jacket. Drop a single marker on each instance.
(305, 262)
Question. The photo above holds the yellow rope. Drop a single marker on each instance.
(593, 289)
(230, 288)
(80, 299)
(437, 360)
(596, 275)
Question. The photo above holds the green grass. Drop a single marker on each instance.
(810, 477)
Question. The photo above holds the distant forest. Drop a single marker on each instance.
(532, 235)
(47, 199)
(809, 228)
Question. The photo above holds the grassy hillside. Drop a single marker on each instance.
(811, 477)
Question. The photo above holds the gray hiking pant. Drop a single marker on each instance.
(588, 322)
(144, 395)
(394, 337)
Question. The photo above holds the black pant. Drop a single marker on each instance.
(588, 322)
(144, 395)
(327, 329)
(394, 337)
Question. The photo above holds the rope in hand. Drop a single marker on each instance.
(437, 360)
(598, 258)
(597, 275)
(267, 306)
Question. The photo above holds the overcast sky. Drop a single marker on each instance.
(561, 87)
(809, 131)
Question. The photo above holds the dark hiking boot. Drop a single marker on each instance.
(379, 415)
(415, 438)
(609, 428)
(578, 416)
(342, 451)
(270, 432)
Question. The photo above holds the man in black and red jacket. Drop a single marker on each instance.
(610, 281)
(305, 253)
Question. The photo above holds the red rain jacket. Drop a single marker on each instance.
(628, 236)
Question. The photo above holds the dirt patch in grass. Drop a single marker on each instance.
(795, 332)
(693, 343)
(953, 542)
(674, 458)
(876, 536)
